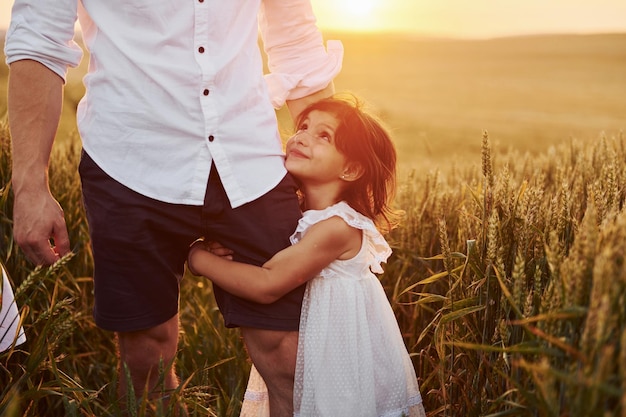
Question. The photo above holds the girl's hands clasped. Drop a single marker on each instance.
(201, 245)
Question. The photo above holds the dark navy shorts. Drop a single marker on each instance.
(140, 246)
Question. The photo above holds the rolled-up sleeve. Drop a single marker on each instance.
(43, 31)
(299, 62)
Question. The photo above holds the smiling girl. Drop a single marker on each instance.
(351, 358)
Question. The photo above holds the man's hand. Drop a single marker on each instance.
(39, 228)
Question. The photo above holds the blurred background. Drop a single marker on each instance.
(532, 74)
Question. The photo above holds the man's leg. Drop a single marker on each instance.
(255, 232)
(273, 353)
(139, 247)
(142, 352)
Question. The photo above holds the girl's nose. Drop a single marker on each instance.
(301, 136)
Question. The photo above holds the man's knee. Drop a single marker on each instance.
(273, 353)
(145, 349)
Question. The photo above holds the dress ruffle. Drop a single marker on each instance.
(378, 250)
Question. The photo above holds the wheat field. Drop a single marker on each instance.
(508, 276)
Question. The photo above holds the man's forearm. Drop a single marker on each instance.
(35, 96)
(297, 106)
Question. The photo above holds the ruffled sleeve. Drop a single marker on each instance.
(377, 248)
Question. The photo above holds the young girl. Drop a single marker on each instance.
(351, 358)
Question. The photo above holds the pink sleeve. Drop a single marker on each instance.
(299, 62)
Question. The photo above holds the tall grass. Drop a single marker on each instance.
(68, 365)
(508, 281)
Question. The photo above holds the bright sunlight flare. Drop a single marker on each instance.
(357, 14)
(357, 7)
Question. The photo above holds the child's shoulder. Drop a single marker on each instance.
(333, 224)
(342, 214)
(336, 220)
(341, 218)
(335, 232)
(340, 210)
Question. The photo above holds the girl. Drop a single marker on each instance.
(351, 358)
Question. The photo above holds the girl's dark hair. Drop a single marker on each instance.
(362, 138)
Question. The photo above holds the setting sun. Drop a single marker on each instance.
(353, 15)
(357, 8)
(476, 19)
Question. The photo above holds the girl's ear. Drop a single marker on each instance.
(352, 171)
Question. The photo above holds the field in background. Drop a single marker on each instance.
(508, 278)
(439, 95)
(528, 92)
(508, 282)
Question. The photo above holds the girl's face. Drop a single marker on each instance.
(311, 155)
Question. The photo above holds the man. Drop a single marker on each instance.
(180, 140)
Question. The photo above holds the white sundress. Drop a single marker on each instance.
(351, 359)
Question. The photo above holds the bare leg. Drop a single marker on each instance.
(143, 351)
(274, 355)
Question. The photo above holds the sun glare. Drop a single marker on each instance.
(357, 14)
(357, 7)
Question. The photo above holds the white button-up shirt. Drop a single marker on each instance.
(175, 85)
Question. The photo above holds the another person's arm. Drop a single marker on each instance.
(302, 67)
(296, 106)
(288, 269)
(39, 48)
(34, 102)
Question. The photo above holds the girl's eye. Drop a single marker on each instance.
(325, 136)
(303, 126)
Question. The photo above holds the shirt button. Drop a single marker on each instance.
(211, 138)
(205, 92)
(201, 49)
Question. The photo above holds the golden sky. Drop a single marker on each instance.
(461, 18)
(474, 18)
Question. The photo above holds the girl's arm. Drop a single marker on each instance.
(293, 266)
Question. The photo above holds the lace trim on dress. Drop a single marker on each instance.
(412, 408)
(378, 250)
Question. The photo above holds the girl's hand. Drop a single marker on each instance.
(218, 249)
(200, 245)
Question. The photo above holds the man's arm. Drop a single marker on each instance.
(301, 67)
(35, 96)
(297, 106)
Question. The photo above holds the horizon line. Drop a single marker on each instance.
(442, 36)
